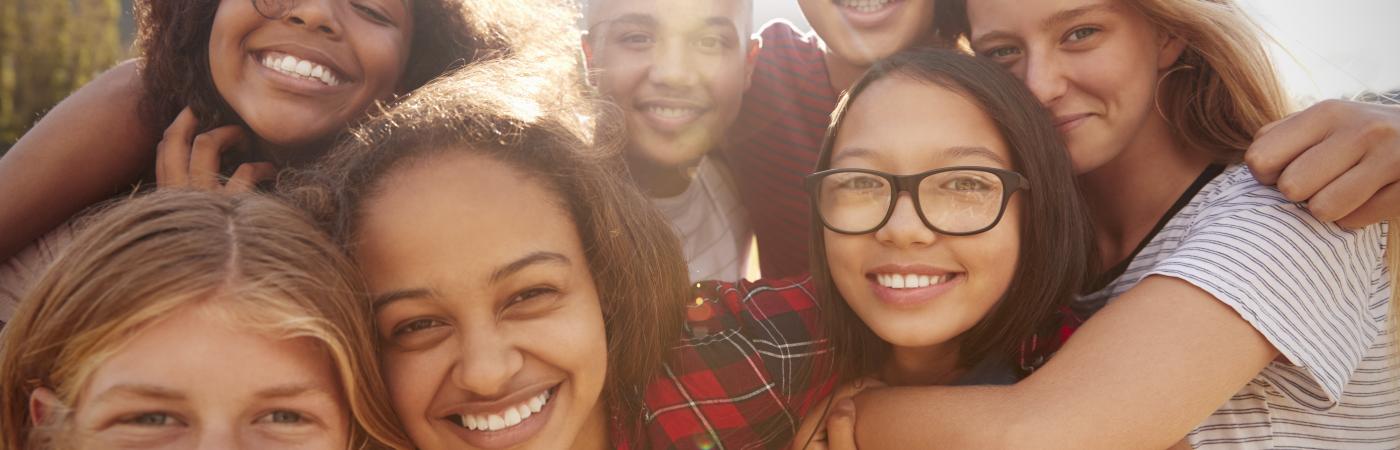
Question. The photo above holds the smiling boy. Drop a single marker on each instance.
(677, 70)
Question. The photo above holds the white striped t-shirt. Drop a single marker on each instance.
(1319, 293)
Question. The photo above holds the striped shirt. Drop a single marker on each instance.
(775, 141)
(711, 224)
(1320, 294)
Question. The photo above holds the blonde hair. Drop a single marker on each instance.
(144, 258)
(1224, 87)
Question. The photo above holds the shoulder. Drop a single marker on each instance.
(782, 37)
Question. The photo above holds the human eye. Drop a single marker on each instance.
(637, 40)
(416, 325)
(712, 43)
(284, 417)
(1080, 34)
(534, 293)
(1000, 54)
(372, 14)
(150, 419)
(968, 184)
(860, 182)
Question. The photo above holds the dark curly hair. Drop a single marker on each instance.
(570, 144)
(173, 41)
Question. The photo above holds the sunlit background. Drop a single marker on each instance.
(1326, 48)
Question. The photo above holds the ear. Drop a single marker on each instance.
(751, 61)
(42, 404)
(1170, 50)
(587, 45)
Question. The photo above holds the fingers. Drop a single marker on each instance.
(173, 151)
(204, 156)
(1385, 205)
(841, 426)
(1318, 167)
(248, 175)
(1278, 144)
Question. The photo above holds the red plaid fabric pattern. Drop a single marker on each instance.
(750, 366)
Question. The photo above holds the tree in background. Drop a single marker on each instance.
(48, 48)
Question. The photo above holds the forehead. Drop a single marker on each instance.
(991, 15)
(203, 352)
(450, 220)
(670, 12)
(901, 119)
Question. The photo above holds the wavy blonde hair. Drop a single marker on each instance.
(144, 258)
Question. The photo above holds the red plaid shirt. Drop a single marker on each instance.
(754, 361)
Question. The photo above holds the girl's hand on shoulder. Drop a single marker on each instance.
(185, 159)
(832, 424)
(1341, 157)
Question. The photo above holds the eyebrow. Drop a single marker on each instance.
(292, 390)
(632, 18)
(950, 152)
(535, 258)
(140, 390)
(402, 294)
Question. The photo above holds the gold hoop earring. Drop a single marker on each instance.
(1156, 92)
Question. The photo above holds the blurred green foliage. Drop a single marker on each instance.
(48, 48)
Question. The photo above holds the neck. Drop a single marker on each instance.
(921, 366)
(594, 435)
(842, 73)
(1128, 195)
(659, 181)
(287, 155)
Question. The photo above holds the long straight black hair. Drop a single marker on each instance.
(1057, 256)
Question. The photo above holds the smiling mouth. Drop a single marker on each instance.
(505, 419)
(864, 6)
(299, 68)
(911, 281)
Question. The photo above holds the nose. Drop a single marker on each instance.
(905, 229)
(672, 66)
(220, 438)
(1045, 78)
(314, 15)
(488, 361)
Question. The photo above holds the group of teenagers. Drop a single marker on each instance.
(456, 224)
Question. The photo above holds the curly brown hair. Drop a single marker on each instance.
(544, 127)
(173, 41)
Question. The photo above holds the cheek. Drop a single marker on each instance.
(412, 379)
(845, 255)
(991, 257)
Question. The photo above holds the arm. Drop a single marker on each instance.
(91, 145)
(1140, 374)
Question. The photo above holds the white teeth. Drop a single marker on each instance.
(909, 281)
(507, 418)
(291, 65)
(671, 112)
(865, 6)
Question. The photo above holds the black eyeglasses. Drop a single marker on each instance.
(956, 201)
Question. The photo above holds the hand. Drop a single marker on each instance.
(186, 160)
(834, 429)
(1342, 158)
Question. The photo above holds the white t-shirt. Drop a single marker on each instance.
(711, 223)
(1319, 293)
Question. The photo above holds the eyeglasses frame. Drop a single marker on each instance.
(1011, 183)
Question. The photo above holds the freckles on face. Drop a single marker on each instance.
(677, 69)
(194, 379)
(861, 32)
(959, 278)
(491, 322)
(299, 72)
(1093, 63)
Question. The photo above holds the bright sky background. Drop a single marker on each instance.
(1334, 47)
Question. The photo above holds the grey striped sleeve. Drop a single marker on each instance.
(1307, 286)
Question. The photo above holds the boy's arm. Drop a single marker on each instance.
(90, 146)
(1141, 374)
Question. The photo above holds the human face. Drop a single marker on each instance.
(861, 32)
(303, 77)
(1093, 63)
(967, 275)
(677, 68)
(194, 380)
(492, 325)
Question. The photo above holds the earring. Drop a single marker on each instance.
(1156, 92)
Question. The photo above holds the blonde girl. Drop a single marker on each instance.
(184, 319)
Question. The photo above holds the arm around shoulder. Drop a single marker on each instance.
(90, 146)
